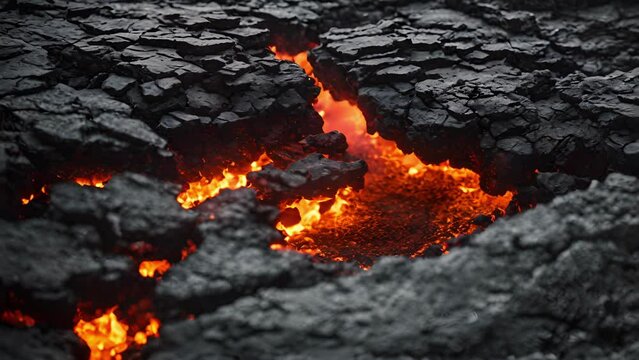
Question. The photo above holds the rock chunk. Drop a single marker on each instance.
(234, 259)
(131, 208)
(547, 268)
(27, 344)
(309, 177)
(48, 267)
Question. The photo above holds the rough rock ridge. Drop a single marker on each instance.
(554, 282)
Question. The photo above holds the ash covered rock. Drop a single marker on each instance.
(551, 282)
(131, 208)
(447, 85)
(34, 343)
(234, 259)
(309, 177)
(48, 267)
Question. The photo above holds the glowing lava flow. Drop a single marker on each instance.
(406, 205)
(198, 191)
(96, 180)
(310, 212)
(108, 337)
(150, 268)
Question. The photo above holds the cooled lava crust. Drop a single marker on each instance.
(373, 180)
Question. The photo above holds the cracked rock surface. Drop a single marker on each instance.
(27, 344)
(541, 97)
(496, 89)
(555, 282)
(149, 87)
(234, 259)
(49, 267)
(131, 208)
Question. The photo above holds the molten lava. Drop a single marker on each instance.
(198, 191)
(108, 337)
(17, 318)
(96, 180)
(311, 213)
(105, 336)
(406, 205)
(188, 250)
(150, 268)
(28, 199)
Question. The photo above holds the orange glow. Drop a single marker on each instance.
(17, 318)
(96, 180)
(189, 249)
(198, 191)
(433, 202)
(28, 199)
(152, 330)
(151, 267)
(108, 337)
(105, 336)
(310, 214)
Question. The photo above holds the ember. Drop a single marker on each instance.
(207, 187)
(16, 318)
(397, 185)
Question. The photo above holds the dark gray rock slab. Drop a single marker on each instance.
(523, 289)
(234, 259)
(130, 208)
(49, 267)
(26, 344)
(309, 177)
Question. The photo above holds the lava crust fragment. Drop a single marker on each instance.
(309, 177)
(49, 267)
(234, 259)
(130, 208)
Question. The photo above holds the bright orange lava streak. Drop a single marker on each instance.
(391, 173)
(207, 187)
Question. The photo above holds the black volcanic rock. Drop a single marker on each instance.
(527, 288)
(560, 184)
(309, 177)
(130, 208)
(63, 127)
(332, 142)
(503, 97)
(537, 96)
(28, 344)
(153, 61)
(234, 259)
(49, 267)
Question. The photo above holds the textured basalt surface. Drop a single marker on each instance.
(501, 92)
(235, 260)
(541, 97)
(555, 282)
